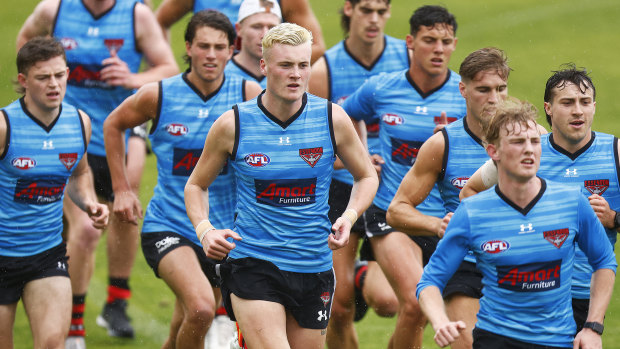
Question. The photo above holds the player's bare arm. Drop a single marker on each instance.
(433, 306)
(252, 89)
(300, 12)
(39, 23)
(218, 148)
(319, 83)
(157, 52)
(134, 111)
(80, 187)
(365, 178)
(415, 187)
(601, 288)
(170, 11)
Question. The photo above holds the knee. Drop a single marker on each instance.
(341, 313)
(200, 314)
(384, 304)
(411, 309)
(53, 340)
(84, 236)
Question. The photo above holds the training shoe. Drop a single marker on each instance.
(114, 318)
(361, 267)
(75, 342)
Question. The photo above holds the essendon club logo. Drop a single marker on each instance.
(286, 192)
(459, 182)
(177, 129)
(495, 246)
(405, 152)
(531, 277)
(438, 121)
(596, 186)
(556, 237)
(184, 161)
(257, 159)
(68, 159)
(23, 163)
(68, 44)
(39, 192)
(325, 297)
(392, 119)
(311, 155)
(113, 45)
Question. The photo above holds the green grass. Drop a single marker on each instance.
(537, 35)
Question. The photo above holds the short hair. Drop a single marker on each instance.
(37, 50)
(285, 34)
(512, 111)
(430, 16)
(345, 21)
(212, 19)
(568, 73)
(488, 58)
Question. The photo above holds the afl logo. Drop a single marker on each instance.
(68, 44)
(177, 129)
(495, 246)
(392, 119)
(23, 163)
(459, 182)
(257, 159)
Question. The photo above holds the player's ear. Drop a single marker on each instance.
(492, 151)
(21, 79)
(410, 39)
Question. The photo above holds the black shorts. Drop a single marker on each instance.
(339, 194)
(466, 280)
(487, 340)
(16, 272)
(156, 245)
(580, 312)
(101, 175)
(307, 296)
(377, 225)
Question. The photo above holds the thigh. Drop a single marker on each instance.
(48, 305)
(263, 323)
(303, 338)
(7, 319)
(344, 269)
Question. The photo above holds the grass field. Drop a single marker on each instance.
(537, 35)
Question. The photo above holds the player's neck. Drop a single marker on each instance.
(568, 145)
(248, 62)
(97, 7)
(44, 115)
(365, 52)
(279, 107)
(519, 191)
(205, 87)
(425, 81)
(474, 126)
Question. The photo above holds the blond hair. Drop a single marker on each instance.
(285, 34)
(512, 111)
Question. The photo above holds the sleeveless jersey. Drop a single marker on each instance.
(594, 169)
(228, 7)
(177, 138)
(463, 155)
(283, 172)
(88, 41)
(408, 118)
(526, 258)
(34, 168)
(346, 74)
(233, 68)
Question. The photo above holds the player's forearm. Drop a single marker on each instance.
(114, 139)
(196, 202)
(601, 288)
(405, 218)
(81, 188)
(432, 305)
(363, 192)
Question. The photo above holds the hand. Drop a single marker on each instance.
(216, 246)
(443, 121)
(127, 207)
(444, 224)
(447, 333)
(116, 72)
(587, 339)
(98, 213)
(603, 212)
(377, 161)
(340, 237)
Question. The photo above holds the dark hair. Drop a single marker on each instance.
(37, 50)
(429, 16)
(488, 58)
(345, 21)
(212, 19)
(568, 73)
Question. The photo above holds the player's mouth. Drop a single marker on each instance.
(437, 62)
(529, 162)
(577, 123)
(53, 94)
(372, 32)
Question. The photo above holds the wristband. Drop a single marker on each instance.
(350, 214)
(202, 228)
